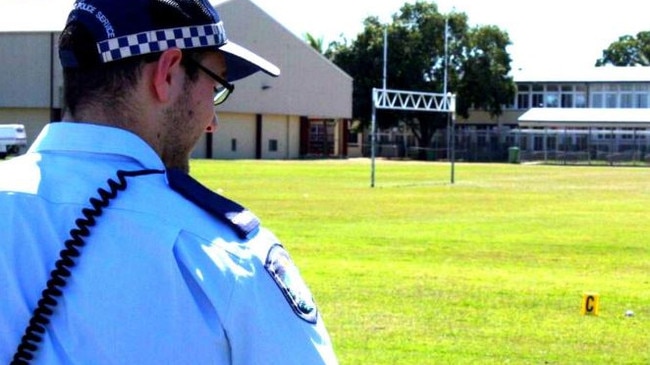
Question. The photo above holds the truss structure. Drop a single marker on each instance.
(413, 100)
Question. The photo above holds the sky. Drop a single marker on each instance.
(545, 34)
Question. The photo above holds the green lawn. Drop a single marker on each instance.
(489, 270)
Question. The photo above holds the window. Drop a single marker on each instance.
(523, 101)
(538, 100)
(567, 101)
(597, 96)
(552, 96)
(640, 96)
(581, 96)
(611, 100)
(597, 101)
(627, 87)
(523, 97)
(582, 143)
(233, 145)
(605, 133)
(572, 96)
(566, 96)
(551, 100)
(627, 100)
(353, 137)
(273, 145)
(551, 142)
(538, 96)
(628, 133)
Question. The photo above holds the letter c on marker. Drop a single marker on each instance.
(589, 307)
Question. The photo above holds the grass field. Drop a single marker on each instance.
(489, 270)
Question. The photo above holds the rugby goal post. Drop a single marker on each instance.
(413, 101)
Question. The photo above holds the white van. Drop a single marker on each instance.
(13, 139)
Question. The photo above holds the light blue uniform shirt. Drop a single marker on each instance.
(159, 280)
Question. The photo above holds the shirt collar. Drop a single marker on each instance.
(93, 138)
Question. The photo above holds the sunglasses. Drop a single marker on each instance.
(221, 92)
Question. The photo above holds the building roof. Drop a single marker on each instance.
(593, 74)
(586, 117)
(309, 85)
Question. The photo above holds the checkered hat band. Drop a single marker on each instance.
(159, 40)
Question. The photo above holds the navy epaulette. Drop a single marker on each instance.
(243, 221)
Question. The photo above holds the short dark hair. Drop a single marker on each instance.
(93, 80)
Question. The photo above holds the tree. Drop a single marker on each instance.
(485, 83)
(477, 65)
(315, 43)
(627, 51)
(362, 60)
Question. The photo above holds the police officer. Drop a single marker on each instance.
(110, 253)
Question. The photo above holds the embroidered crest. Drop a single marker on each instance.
(285, 273)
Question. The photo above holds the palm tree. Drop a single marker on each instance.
(315, 43)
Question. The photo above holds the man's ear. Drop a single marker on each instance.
(168, 75)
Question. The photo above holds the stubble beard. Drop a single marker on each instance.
(178, 141)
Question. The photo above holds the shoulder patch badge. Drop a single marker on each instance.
(286, 275)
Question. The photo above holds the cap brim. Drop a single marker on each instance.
(242, 63)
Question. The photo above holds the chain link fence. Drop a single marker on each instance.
(506, 144)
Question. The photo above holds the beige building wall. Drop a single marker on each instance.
(240, 131)
(239, 128)
(285, 130)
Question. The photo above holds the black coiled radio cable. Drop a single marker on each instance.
(45, 307)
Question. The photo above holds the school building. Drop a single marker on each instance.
(594, 114)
